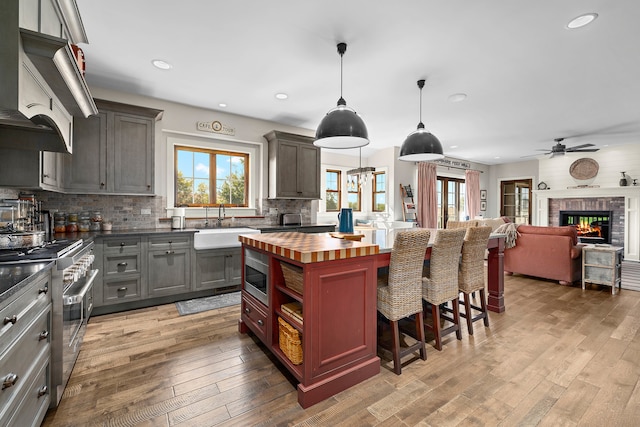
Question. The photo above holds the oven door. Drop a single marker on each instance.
(256, 275)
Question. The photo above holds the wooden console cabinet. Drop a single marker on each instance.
(338, 300)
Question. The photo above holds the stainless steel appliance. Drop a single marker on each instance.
(291, 219)
(256, 275)
(72, 300)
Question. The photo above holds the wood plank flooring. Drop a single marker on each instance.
(557, 357)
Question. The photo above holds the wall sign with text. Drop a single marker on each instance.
(216, 127)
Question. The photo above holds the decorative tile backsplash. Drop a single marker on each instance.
(125, 212)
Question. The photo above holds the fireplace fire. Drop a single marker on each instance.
(592, 226)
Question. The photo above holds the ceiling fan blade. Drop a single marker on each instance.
(588, 150)
(579, 146)
(536, 155)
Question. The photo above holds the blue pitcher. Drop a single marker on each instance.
(345, 220)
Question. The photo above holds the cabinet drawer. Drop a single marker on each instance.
(37, 396)
(122, 245)
(19, 359)
(118, 264)
(17, 316)
(121, 290)
(174, 241)
(254, 316)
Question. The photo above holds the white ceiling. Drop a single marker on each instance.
(528, 78)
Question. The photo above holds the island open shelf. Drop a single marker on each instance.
(338, 298)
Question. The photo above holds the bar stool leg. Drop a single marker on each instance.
(468, 313)
(420, 335)
(395, 334)
(456, 318)
(437, 326)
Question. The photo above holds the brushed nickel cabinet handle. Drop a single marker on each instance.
(43, 390)
(260, 322)
(9, 380)
(43, 290)
(13, 319)
(122, 264)
(122, 243)
(43, 335)
(123, 289)
(102, 184)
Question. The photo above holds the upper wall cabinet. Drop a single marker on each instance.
(113, 151)
(30, 169)
(294, 166)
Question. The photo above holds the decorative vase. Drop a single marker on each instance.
(623, 180)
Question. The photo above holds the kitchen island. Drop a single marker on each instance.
(334, 281)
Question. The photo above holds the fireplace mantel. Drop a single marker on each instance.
(631, 196)
(633, 191)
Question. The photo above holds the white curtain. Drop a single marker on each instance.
(427, 195)
(472, 193)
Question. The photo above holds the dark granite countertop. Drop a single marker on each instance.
(13, 277)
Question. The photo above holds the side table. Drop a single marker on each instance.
(602, 265)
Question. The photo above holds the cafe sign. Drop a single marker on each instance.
(216, 127)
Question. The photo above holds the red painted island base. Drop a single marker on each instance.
(338, 333)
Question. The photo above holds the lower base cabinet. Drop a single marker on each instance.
(25, 353)
(218, 268)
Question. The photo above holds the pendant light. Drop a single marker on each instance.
(341, 127)
(421, 145)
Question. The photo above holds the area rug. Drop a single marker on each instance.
(199, 305)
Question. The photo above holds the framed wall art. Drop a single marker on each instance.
(483, 194)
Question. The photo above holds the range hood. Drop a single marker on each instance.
(42, 87)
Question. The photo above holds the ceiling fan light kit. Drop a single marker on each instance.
(421, 145)
(341, 127)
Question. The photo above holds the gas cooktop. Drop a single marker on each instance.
(48, 251)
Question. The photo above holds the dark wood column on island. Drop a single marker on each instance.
(338, 298)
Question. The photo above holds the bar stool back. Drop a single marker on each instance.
(441, 284)
(400, 293)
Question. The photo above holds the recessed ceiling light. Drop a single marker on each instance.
(453, 146)
(581, 20)
(163, 65)
(222, 105)
(457, 97)
(282, 96)
(496, 157)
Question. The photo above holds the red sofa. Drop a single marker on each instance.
(548, 252)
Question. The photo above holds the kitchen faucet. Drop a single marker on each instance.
(221, 214)
(206, 216)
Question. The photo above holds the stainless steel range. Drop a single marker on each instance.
(72, 300)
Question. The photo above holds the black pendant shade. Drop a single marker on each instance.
(421, 145)
(341, 127)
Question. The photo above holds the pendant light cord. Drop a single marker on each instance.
(420, 85)
(342, 48)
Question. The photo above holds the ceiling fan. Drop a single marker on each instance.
(559, 149)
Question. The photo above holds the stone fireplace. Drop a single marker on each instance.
(595, 208)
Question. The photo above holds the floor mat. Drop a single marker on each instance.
(198, 305)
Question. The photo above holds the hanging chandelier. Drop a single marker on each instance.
(421, 145)
(341, 127)
(359, 177)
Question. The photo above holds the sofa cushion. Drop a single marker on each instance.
(565, 230)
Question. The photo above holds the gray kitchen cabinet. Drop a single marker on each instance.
(294, 166)
(120, 261)
(113, 151)
(31, 169)
(218, 268)
(169, 264)
(25, 352)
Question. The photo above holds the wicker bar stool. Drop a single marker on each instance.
(471, 275)
(400, 293)
(441, 284)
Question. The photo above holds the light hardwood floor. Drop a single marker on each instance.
(557, 357)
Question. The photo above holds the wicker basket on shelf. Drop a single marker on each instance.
(292, 277)
(290, 342)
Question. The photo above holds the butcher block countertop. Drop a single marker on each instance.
(307, 248)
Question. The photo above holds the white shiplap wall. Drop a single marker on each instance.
(611, 161)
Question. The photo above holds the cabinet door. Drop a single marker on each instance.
(86, 169)
(287, 177)
(51, 170)
(308, 171)
(132, 166)
(218, 268)
(169, 272)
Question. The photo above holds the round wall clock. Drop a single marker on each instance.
(542, 186)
